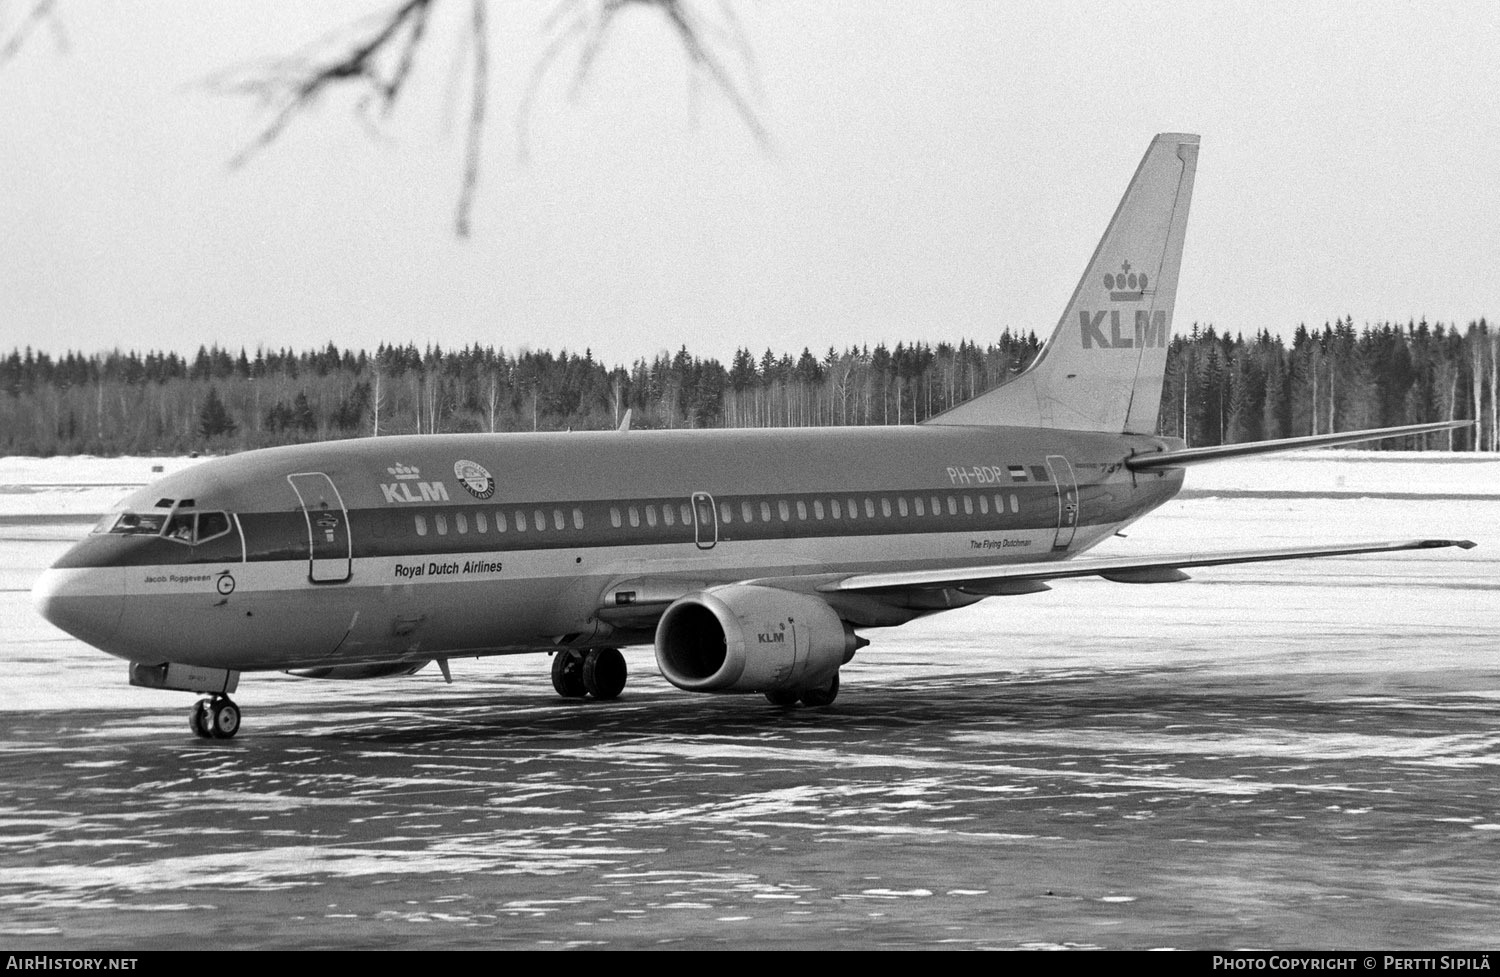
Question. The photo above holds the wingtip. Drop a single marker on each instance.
(1438, 544)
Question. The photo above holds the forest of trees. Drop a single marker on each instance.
(1219, 389)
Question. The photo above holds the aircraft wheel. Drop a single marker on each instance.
(604, 672)
(567, 674)
(783, 697)
(823, 696)
(223, 718)
(198, 719)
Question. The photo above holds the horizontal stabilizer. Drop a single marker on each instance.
(1156, 569)
(1197, 456)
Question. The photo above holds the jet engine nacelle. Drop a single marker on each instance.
(743, 638)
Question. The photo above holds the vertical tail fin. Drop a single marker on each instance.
(1103, 367)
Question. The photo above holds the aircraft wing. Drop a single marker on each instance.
(1012, 578)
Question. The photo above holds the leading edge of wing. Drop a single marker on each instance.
(1154, 569)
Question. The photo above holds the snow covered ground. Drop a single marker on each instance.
(1342, 472)
(77, 486)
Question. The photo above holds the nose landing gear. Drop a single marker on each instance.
(215, 718)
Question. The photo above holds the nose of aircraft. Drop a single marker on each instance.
(85, 602)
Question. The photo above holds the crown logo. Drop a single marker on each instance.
(1125, 285)
(404, 472)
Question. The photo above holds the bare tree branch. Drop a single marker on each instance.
(41, 10)
(476, 119)
(376, 54)
(293, 84)
(587, 23)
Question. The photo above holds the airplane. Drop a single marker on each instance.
(752, 559)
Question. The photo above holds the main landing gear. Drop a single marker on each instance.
(215, 718)
(809, 697)
(599, 672)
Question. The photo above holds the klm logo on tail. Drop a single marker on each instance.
(1150, 327)
(1150, 330)
(1127, 286)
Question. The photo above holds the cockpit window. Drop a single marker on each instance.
(137, 524)
(180, 527)
(196, 527)
(212, 524)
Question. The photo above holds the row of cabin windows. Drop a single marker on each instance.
(852, 508)
(519, 520)
(849, 507)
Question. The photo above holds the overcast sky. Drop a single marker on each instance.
(936, 171)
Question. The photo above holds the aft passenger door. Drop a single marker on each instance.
(1067, 500)
(330, 550)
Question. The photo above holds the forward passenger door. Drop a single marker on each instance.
(330, 549)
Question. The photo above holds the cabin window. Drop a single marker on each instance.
(558, 522)
(421, 525)
(782, 510)
(801, 510)
(869, 508)
(577, 518)
(726, 512)
(614, 516)
(968, 505)
(885, 507)
(937, 506)
(818, 509)
(635, 517)
(1015, 505)
(442, 523)
(669, 515)
(921, 509)
(747, 512)
(853, 509)
(651, 515)
(901, 506)
(687, 513)
(838, 512)
(499, 521)
(520, 521)
(765, 512)
(984, 505)
(462, 522)
(480, 525)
